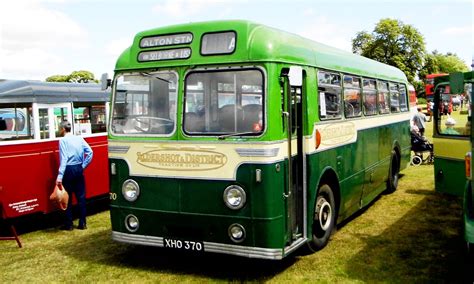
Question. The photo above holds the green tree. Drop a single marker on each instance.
(393, 43)
(81, 76)
(442, 63)
(57, 78)
(419, 89)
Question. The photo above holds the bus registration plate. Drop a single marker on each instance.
(183, 245)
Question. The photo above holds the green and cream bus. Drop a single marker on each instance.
(237, 138)
(453, 144)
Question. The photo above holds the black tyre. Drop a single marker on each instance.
(392, 181)
(416, 160)
(324, 218)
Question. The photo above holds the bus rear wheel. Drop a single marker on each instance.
(393, 172)
(324, 218)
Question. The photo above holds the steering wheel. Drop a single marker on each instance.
(151, 122)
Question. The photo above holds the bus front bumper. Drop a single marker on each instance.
(251, 252)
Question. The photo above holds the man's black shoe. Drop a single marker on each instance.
(82, 227)
(66, 228)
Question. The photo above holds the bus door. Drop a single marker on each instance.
(47, 118)
(293, 118)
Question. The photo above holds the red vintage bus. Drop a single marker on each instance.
(429, 85)
(30, 113)
(412, 96)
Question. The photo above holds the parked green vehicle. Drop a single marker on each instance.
(237, 138)
(453, 172)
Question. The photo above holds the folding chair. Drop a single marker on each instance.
(14, 235)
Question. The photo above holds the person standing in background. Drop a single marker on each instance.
(74, 156)
(429, 106)
(419, 120)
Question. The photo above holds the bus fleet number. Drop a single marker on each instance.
(186, 245)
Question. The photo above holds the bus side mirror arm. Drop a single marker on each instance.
(105, 81)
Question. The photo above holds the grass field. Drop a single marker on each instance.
(412, 235)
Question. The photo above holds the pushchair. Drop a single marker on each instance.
(423, 150)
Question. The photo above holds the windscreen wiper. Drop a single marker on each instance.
(155, 76)
(222, 137)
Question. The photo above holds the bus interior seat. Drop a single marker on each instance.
(227, 118)
(251, 116)
(193, 122)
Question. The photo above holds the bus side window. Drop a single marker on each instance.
(383, 97)
(97, 118)
(455, 125)
(403, 98)
(330, 93)
(352, 105)
(394, 97)
(370, 96)
(14, 124)
(90, 119)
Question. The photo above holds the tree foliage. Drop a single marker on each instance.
(393, 43)
(442, 63)
(81, 76)
(57, 78)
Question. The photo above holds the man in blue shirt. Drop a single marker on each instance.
(419, 120)
(74, 156)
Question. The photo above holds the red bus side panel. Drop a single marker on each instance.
(28, 174)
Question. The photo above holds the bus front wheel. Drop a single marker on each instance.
(324, 218)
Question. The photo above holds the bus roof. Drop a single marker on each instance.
(257, 43)
(20, 91)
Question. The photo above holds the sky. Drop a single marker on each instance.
(40, 38)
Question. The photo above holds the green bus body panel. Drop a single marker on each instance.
(259, 43)
(468, 213)
(189, 202)
(362, 175)
(450, 176)
(197, 205)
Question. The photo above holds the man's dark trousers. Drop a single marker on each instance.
(73, 181)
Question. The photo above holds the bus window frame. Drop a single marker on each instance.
(351, 87)
(438, 132)
(263, 72)
(372, 90)
(91, 119)
(387, 102)
(405, 107)
(51, 118)
(340, 114)
(114, 95)
(218, 32)
(396, 90)
(24, 110)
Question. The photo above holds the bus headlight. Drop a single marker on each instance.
(236, 233)
(130, 190)
(234, 197)
(131, 223)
